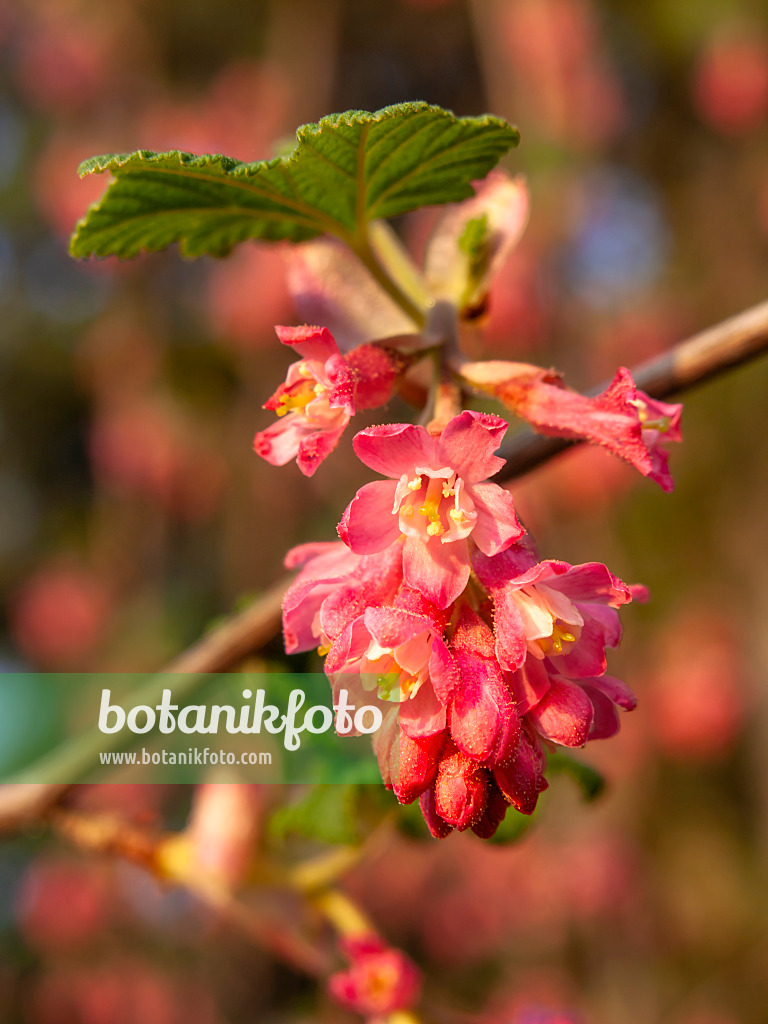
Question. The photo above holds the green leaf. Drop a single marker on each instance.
(345, 171)
(513, 827)
(324, 813)
(589, 779)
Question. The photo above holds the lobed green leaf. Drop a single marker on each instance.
(345, 171)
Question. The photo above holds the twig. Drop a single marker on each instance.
(689, 363)
(108, 835)
(218, 651)
(232, 641)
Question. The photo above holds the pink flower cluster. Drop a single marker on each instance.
(437, 606)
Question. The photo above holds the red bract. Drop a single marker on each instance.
(379, 981)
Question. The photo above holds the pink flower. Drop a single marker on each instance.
(436, 499)
(314, 404)
(565, 613)
(402, 657)
(553, 622)
(333, 587)
(379, 981)
(622, 419)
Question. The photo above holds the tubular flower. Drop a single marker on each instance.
(403, 658)
(622, 418)
(333, 587)
(553, 623)
(314, 404)
(565, 613)
(379, 981)
(436, 498)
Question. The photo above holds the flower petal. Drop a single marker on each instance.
(590, 581)
(483, 720)
(395, 449)
(497, 525)
(495, 811)
(442, 671)
(617, 691)
(315, 447)
(439, 571)
(437, 827)
(368, 524)
(468, 442)
(521, 778)
(528, 684)
(460, 789)
(280, 442)
(586, 657)
(316, 343)
(422, 715)
(564, 714)
(375, 579)
(391, 627)
(605, 720)
(413, 764)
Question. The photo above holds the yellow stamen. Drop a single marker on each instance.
(555, 644)
(407, 683)
(296, 398)
(662, 424)
(323, 649)
(430, 508)
(415, 484)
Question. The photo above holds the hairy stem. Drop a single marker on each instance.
(363, 249)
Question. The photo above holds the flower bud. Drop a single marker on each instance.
(460, 789)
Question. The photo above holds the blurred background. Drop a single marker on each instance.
(133, 512)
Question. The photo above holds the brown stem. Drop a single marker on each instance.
(108, 835)
(232, 641)
(690, 362)
(218, 651)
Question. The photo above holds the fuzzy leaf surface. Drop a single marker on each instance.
(345, 171)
